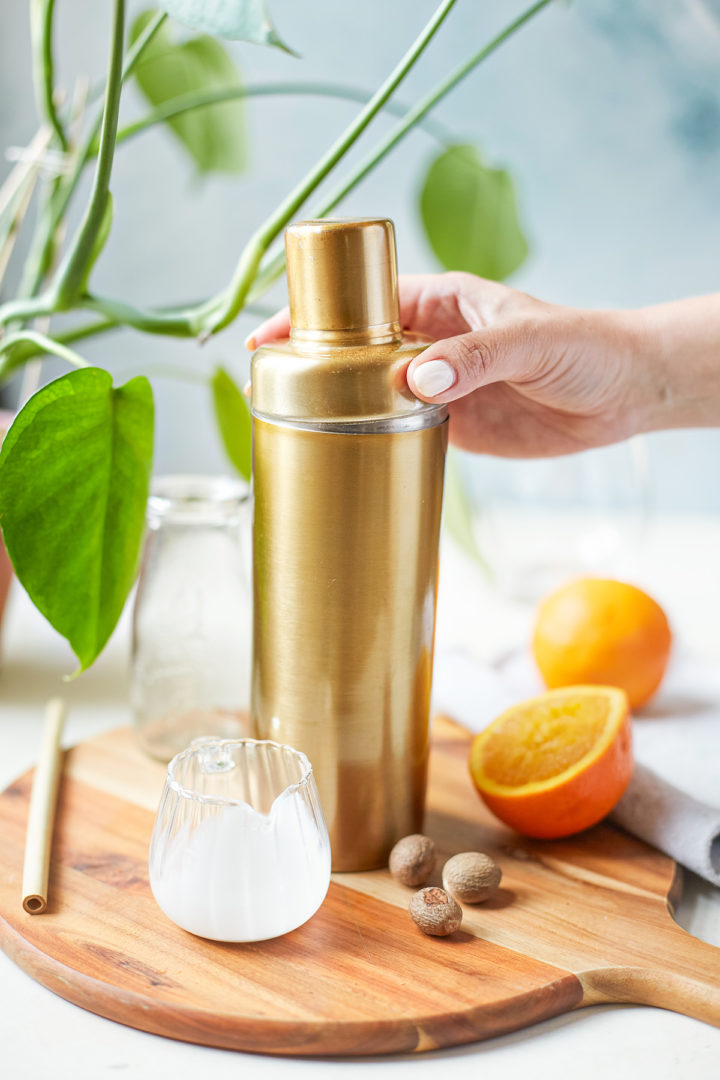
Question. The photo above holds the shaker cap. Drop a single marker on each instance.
(342, 276)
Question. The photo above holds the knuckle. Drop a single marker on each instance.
(474, 358)
(459, 280)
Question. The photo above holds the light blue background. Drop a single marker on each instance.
(606, 111)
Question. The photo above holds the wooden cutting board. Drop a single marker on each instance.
(576, 922)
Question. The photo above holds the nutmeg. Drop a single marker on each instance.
(435, 912)
(412, 860)
(471, 877)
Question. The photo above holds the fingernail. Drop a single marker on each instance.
(251, 343)
(247, 389)
(434, 377)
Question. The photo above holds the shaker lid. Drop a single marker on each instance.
(342, 276)
(346, 359)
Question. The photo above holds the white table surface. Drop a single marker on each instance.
(40, 1034)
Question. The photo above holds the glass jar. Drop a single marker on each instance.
(192, 624)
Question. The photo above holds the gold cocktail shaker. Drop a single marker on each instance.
(348, 477)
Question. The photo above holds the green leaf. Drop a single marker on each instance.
(470, 216)
(100, 239)
(74, 477)
(233, 416)
(240, 20)
(457, 513)
(214, 136)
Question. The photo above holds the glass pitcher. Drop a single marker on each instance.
(240, 850)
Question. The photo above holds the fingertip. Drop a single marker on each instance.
(273, 329)
(432, 378)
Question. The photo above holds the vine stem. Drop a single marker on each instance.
(101, 326)
(16, 194)
(71, 272)
(41, 30)
(28, 349)
(42, 343)
(247, 284)
(173, 322)
(217, 312)
(54, 210)
(32, 308)
(184, 103)
(423, 107)
(231, 301)
(274, 269)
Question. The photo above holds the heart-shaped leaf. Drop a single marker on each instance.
(470, 216)
(214, 136)
(240, 20)
(74, 478)
(233, 417)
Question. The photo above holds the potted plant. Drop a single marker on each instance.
(76, 462)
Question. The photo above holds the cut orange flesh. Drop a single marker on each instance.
(558, 763)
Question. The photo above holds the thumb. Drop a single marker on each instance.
(452, 368)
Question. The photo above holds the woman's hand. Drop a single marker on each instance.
(524, 378)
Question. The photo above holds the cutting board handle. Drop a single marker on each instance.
(685, 980)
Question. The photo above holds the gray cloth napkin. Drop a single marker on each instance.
(673, 799)
(673, 821)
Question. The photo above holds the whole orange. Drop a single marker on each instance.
(556, 764)
(595, 630)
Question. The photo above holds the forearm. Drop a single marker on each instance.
(677, 364)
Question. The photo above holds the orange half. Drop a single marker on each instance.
(558, 763)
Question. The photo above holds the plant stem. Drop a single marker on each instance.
(231, 300)
(423, 107)
(72, 270)
(141, 41)
(42, 343)
(216, 313)
(89, 147)
(173, 322)
(17, 211)
(40, 255)
(23, 309)
(413, 117)
(101, 326)
(56, 205)
(86, 330)
(41, 29)
(17, 191)
(203, 99)
(247, 284)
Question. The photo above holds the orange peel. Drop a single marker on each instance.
(558, 763)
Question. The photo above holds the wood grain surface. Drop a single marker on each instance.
(575, 922)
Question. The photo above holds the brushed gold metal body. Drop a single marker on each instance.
(348, 475)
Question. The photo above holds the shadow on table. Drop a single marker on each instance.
(671, 706)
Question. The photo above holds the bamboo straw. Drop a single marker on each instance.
(42, 811)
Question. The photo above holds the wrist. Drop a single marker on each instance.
(650, 395)
(675, 364)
